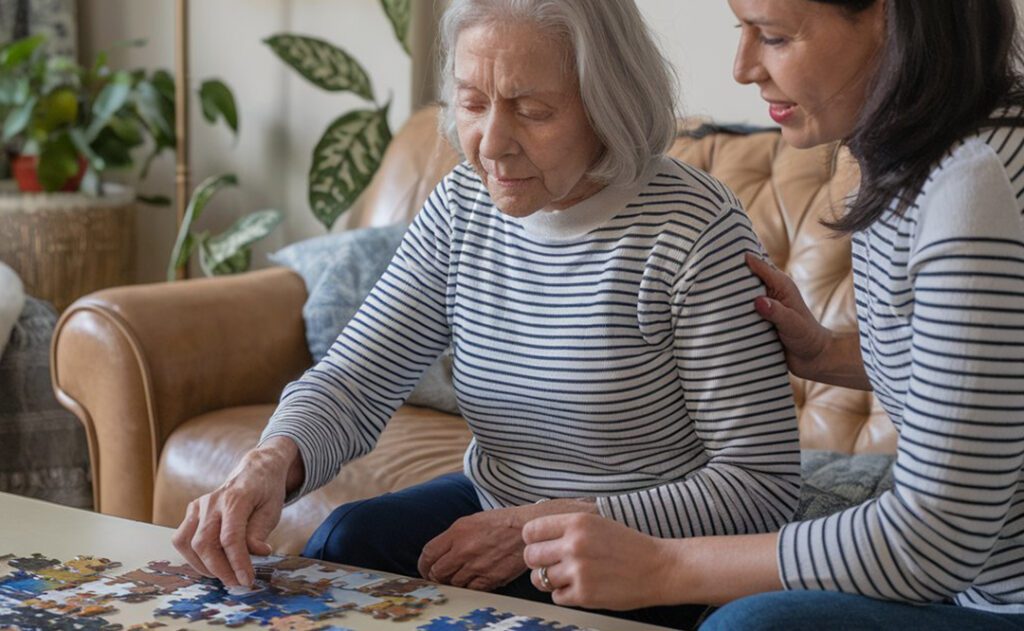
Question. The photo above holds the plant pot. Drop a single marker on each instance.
(25, 171)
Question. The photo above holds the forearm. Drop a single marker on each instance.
(716, 570)
(840, 363)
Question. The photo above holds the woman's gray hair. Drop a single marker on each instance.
(627, 87)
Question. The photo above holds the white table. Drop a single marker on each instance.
(28, 526)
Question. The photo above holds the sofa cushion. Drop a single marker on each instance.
(418, 444)
(339, 271)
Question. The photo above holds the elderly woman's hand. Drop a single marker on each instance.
(484, 551)
(595, 562)
(223, 527)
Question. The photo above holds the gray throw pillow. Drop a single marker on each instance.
(339, 271)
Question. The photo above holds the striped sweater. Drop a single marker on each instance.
(940, 304)
(608, 350)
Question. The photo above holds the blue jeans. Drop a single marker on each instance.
(812, 611)
(388, 532)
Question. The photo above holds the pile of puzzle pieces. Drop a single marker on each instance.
(302, 594)
(490, 620)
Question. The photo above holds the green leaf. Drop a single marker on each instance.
(14, 90)
(82, 145)
(218, 101)
(154, 200)
(113, 150)
(229, 252)
(126, 129)
(200, 197)
(18, 119)
(345, 160)
(56, 110)
(164, 84)
(155, 114)
(109, 101)
(322, 63)
(399, 14)
(19, 50)
(58, 162)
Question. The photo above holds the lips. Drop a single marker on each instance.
(781, 111)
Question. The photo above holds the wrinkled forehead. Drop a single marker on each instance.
(520, 45)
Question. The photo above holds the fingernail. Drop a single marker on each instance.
(763, 304)
(243, 579)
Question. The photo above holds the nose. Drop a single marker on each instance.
(747, 67)
(499, 134)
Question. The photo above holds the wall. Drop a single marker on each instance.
(281, 115)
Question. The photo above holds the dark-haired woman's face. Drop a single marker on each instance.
(812, 61)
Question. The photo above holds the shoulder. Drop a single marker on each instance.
(686, 197)
(968, 194)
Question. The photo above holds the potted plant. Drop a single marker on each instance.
(351, 149)
(64, 123)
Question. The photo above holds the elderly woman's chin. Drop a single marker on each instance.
(517, 198)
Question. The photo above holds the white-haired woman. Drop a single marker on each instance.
(607, 355)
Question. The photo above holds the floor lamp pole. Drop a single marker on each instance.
(181, 101)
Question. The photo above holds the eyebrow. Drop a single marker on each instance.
(461, 84)
(760, 21)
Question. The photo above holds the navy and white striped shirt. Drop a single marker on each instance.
(609, 350)
(940, 304)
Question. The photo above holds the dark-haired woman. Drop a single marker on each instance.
(925, 95)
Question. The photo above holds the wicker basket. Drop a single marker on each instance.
(65, 245)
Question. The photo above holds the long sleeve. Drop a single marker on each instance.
(737, 392)
(942, 323)
(338, 409)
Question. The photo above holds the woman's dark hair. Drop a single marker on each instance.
(945, 66)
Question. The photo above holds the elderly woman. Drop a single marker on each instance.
(607, 355)
(925, 94)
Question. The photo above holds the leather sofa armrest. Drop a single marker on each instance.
(133, 363)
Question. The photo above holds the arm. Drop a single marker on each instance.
(643, 571)
(812, 351)
(337, 411)
(738, 398)
(962, 438)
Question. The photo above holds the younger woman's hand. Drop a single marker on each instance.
(804, 339)
(594, 562)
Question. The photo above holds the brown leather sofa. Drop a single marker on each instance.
(174, 382)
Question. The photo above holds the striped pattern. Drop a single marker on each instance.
(940, 303)
(625, 362)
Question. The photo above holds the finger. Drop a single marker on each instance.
(435, 548)
(182, 540)
(233, 541)
(761, 268)
(206, 543)
(543, 554)
(545, 528)
(481, 584)
(463, 577)
(446, 567)
(556, 578)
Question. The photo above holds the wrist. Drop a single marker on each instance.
(673, 581)
(279, 457)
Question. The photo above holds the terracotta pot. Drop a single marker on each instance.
(24, 169)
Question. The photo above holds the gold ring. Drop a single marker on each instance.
(545, 581)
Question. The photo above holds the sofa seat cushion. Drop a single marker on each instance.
(418, 445)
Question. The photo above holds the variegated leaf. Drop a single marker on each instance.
(345, 160)
(229, 252)
(322, 63)
(399, 13)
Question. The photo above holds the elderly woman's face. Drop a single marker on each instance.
(520, 119)
(812, 61)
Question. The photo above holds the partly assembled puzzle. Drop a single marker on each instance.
(290, 593)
